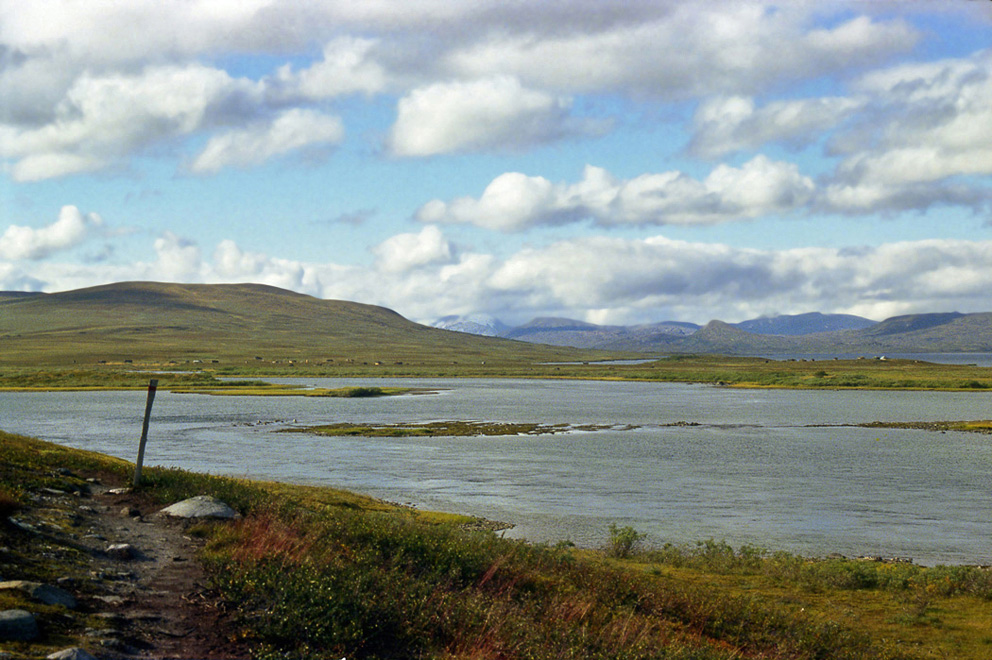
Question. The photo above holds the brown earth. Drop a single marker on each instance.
(156, 604)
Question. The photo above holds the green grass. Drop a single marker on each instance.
(315, 573)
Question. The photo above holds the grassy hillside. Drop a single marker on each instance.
(318, 573)
(160, 323)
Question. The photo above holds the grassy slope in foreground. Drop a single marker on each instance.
(316, 573)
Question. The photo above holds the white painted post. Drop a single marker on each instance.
(152, 386)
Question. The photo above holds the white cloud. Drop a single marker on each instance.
(693, 49)
(405, 252)
(179, 259)
(494, 113)
(633, 281)
(727, 124)
(232, 264)
(514, 201)
(105, 119)
(697, 281)
(293, 130)
(71, 229)
(927, 128)
(347, 67)
(90, 85)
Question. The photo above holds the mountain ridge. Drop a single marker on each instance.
(812, 332)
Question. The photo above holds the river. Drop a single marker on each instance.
(781, 469)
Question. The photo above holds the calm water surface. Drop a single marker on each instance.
(750, 468)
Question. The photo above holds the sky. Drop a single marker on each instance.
(616, 163)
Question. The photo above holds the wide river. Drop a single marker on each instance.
(750, 466)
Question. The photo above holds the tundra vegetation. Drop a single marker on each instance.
(316, 572)
(240, 378)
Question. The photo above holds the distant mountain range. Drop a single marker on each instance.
(804, 333)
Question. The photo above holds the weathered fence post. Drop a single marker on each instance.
(152, 386)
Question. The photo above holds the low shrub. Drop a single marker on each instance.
(623, 541)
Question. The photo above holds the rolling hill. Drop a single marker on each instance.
(156, 322)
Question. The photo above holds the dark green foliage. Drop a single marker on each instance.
(359, 392)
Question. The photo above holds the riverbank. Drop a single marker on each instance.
(316, 572)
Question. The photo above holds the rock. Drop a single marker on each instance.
(121, 551)
(23, 526)
(119, 491)
(17, 626)
(74, 653)
(44, 593)
(130, 512)
(201, 506)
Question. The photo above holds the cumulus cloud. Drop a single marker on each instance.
(493, 113)
(695, 281)
(634, 280)
(179, 258)
(293, 130)
(934, 118)
(404, 252)
(104, 119)
(88, 86)
(514, 201)
(691, 50)
(726, 124)
(347, 67)
(72, 228)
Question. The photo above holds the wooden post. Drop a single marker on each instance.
(152, 386)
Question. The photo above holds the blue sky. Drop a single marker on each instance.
(610, 162)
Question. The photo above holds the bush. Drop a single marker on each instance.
(623, 541)
(359, 392)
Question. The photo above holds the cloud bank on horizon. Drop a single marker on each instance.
(614, 163)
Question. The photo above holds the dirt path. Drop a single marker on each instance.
(155, 604)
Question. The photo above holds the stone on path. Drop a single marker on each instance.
(17, 626)
(44, 593)
(74, 653)
(121, 551)
(201, 506)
